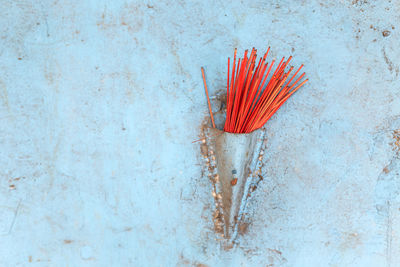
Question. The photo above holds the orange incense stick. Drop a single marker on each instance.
(208, 98)
(252, 97)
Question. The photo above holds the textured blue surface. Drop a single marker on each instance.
(100, 102)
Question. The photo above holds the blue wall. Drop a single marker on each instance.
(100, 102)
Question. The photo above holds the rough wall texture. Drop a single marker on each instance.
(100, 102)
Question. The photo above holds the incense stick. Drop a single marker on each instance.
(208, 98)
(250, 104)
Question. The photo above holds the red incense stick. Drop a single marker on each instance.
(252, 98)
(208, 98)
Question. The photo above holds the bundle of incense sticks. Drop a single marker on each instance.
(252, 98)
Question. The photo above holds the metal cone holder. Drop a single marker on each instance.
(236, 157)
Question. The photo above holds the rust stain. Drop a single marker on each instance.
(385, 170)
(385, 33)
(275, 251)
(204, 149)
(183, 261)
(52, 72)
(359, 2)
(209, 169)
(67, 241)
(243, 228)
(234, 181)
(351, 241)
(390, 64)
(130, 17)
(396, 142)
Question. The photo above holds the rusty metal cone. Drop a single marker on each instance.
(236, 158)
(246, 110)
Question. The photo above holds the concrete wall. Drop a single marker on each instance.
(100, 102)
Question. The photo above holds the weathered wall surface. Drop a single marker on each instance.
(100, 102)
